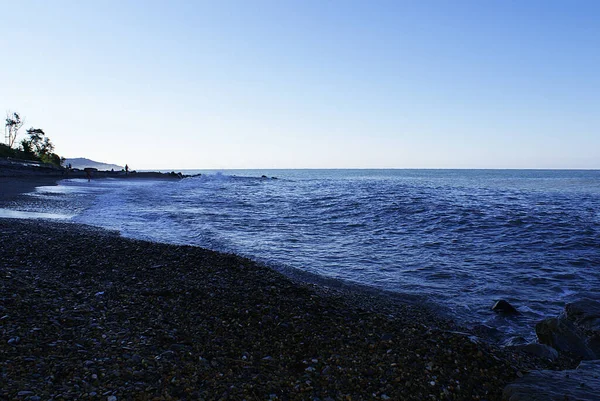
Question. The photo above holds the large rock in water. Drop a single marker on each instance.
(576, 331)
(562, 335)
(585, 313)
(582, 384)
(504, 308)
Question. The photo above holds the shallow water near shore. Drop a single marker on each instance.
(459, 238)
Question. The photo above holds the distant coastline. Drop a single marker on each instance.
(28, 169)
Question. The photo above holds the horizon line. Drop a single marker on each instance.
(384, 168)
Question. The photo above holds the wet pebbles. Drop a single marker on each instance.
(86, 314)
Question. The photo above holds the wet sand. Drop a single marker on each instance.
(12, 187)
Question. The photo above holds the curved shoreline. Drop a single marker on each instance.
(89, 313)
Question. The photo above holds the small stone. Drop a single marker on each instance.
(24, 393)
(111, 398)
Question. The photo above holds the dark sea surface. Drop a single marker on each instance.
(461, 239)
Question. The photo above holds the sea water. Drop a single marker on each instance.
(459, 239)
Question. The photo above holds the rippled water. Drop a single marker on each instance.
(460, 238)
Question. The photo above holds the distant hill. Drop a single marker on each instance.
(81, 163)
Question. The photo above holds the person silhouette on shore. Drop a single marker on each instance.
(126, 169)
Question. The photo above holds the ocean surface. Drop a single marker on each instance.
(460, 239)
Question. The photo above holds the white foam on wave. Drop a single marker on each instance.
(566, 292)
(18, 214)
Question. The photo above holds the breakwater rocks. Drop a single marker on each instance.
(87, 314)
(575, 333)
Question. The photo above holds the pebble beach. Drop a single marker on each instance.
(88, 314)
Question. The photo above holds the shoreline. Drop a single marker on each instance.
(87, 313)
(12, 187)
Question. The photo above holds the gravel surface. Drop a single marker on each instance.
(87, 314)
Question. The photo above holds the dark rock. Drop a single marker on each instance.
(585, 313)
(541, 350)
(594, 344)
(582, 384)
(505, 308)
(563, 335)
(14, 340)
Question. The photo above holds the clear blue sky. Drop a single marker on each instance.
(282, 84)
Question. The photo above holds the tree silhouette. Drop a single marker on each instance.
(38, 143)
(12, 125)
